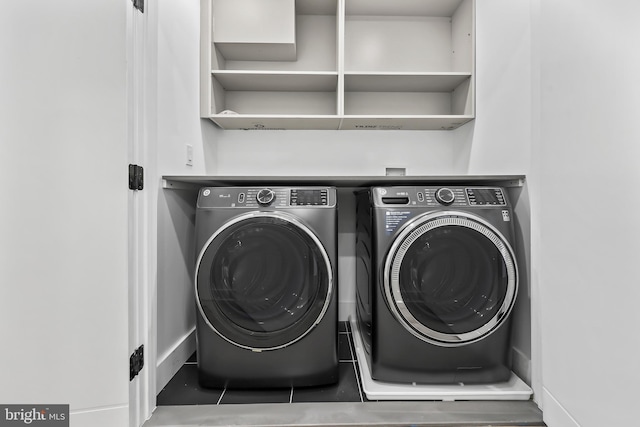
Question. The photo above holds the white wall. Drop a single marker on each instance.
(174, 106)
(587, 166)
(332, 152)
(63, 220)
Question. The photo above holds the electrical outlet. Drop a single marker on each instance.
(395, 171)
(189, 155)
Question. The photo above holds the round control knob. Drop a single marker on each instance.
(265, 196)
(445, 196)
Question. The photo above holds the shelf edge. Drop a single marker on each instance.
(191, 182)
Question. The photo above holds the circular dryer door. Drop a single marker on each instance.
(450, 278)
(263, 281)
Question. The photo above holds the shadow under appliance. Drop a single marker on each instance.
(437, 278)
(265, 287)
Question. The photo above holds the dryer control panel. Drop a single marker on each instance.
(439, 196)
(267, 197)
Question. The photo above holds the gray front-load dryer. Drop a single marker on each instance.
(265, 286)
(437, 278)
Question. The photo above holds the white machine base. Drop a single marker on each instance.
(513, 389)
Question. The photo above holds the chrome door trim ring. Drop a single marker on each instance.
(411, 232)
(284, 217)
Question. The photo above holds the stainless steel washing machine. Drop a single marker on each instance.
(265, 286)
(437, 279)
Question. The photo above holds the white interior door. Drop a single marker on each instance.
(63, 215)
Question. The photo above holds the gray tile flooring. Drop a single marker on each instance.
(183, 389)
(182, 403)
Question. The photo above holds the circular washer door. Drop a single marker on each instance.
(450, 278)
(263, 281)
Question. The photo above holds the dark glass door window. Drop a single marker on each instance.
(263, 282)
(453, 280)
(450, 279)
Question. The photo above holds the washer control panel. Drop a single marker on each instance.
(267, 197)
(442, 196)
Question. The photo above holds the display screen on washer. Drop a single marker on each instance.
(485, 196)
(309, 197)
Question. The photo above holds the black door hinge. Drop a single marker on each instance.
(136, 362)
(136, 177)
(138, 4)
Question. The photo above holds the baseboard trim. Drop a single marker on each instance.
(554, 414)
(101, 417)
(521, 365)
(173, 359)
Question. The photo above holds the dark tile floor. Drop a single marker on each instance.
(183, 389)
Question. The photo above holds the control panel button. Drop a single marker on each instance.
(265, 196)
(241, 198)
(445, 196)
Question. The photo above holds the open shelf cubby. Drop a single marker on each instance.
(338, 64)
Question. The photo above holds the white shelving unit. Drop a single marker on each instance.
(358, 64)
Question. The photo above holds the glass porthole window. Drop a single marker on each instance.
(263, 281)
(450, 278)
